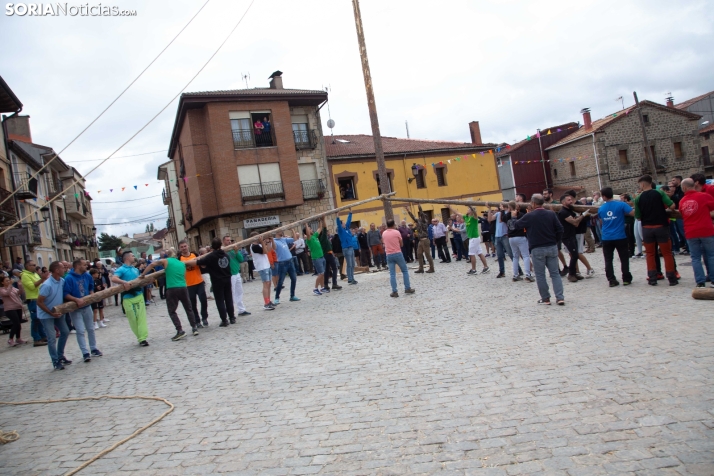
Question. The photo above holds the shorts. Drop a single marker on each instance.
(486, 237)
(475, 247)
(319, 265)
(580, 238)
(98, 305)
(265, 275)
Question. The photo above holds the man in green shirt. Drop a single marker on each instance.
(236, 258)
(31, 282)
(471, 222)
(318, 259)
(176, 291)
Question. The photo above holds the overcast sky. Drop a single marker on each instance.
(513, 65)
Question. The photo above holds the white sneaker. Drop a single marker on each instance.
(96, 325)
(590, 273)
(106, 320)
(101, 324)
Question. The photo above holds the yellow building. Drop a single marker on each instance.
(416, 169)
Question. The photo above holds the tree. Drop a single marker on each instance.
(150, 228)
(109, 242)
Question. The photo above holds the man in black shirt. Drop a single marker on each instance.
(218, 265)
(652, 206)
(570, 222)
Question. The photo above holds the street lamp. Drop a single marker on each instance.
(415, 173)
(45, 213)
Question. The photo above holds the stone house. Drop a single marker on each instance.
(610, 151)
(249, 160)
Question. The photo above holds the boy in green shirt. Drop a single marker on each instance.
(318, 259)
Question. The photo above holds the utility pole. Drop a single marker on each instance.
(542, 161)
(648, 151)
(378, 151)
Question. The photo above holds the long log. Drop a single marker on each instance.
(477, 203)
(703, 293)
(96, 297)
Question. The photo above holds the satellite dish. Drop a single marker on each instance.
(330, 123)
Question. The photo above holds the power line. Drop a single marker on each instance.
(132, 200)
(107, 108)
(136, 220)
(114, 158)
(145, 125)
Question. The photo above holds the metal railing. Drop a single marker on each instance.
(7, 209)
(262, 191)
(312, 189)
(54, 187)
(25, 186)
(166, 197)
(246, 139)
(62, 229)
(305, 139)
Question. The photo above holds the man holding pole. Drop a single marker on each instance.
(218, 265)
(195, 285)
(347, 242)
(132, 299)
(236, 258)
(422, 226)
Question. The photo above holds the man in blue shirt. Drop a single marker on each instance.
(78, 284)
(614, 237)
(347, 242)
(284, 266)
(51, 295)
(132, 298)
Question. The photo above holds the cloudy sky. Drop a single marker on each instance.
(513, 65)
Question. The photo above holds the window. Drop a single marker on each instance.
(301, 132)
(211, 234)
(39, 261)
(379, 186)
(623, 157)
(445, 215)
(260, 182)
(652, 151)
(311, 186)
(646, 118)
(572, 169)
(555, 173)
(251, 129)
(705, 155)
(678, 150)
(440, 178)
(347, 189)
(421, 178)
(198, 243)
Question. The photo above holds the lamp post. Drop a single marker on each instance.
(415, 173)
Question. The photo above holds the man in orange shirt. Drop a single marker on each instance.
(195, 284)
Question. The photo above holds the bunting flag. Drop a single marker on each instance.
(548, 132)
(449, 161)
(122, 189)
(135, 187)
(111, 190)
(538, 134)
(473, 155)
(528, 138)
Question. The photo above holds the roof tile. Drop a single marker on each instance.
(341, 146)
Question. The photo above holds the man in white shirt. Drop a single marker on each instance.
(439, 230)
(301, 255)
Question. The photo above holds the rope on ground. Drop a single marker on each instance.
(8, 436)
(77, 399)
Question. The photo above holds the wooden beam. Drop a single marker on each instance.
(703, 293)
(96, 297)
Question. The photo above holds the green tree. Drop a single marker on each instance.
(109, 242)
(150, 228)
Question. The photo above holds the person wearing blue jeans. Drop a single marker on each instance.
(348, 242)
(37, 330)
(503, 247)
(31, 282)
(702, 248)
(78, 285)
(51, 294)
(393, 245)
(286, 268)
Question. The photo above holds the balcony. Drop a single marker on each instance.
(28, 235)
(79, 241)
(62, 230)
(75, 208)
(7, 209)
(25, 186)
(166, 197)
(246, 139)
(305, 139)
(189, 215)
(170, 224)
(54, 187)
(312, 189)
(262, 192)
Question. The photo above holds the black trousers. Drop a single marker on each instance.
(162, 287)
(631, 242)
(303, 263)
(364, 257)
(442, 249)
(200, 291)
(330, 270)
(571, 244)
(608, 252)
(174, 296)
(15, 316)
(223, 294)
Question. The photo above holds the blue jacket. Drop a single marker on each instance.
(355, 242)
(344, 232)
(78, 285)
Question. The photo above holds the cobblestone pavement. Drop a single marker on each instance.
(468, 376)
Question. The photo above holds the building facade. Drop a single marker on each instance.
(611, 151)
(249, 160)
(523, 166)
(9, 103)
(416, 169)
(175, 231)
(704, 106)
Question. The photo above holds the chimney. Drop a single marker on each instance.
(276, 80)
(18, 128)
(586, 118)
(670, 101)
(475, 133)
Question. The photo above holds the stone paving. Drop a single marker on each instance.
(468, 376)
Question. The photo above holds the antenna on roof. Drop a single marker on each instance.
(406, 123)
(245, 77)
(621, 100)
(330, 122)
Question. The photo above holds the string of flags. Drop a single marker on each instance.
(136, 187)
(523, 162)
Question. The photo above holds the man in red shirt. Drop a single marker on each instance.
(700, 184)
(697, 210)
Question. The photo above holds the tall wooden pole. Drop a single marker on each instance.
(648, 151)
(377, 136)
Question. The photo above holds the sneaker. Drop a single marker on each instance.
(232, 320)
(429, 271)
(195, 331)
(222, 324)
(38, 343)
(409, 291)
(579, 276)
(295, 298)
(106, 320)
(59, 366)
(272, 304)
(485, 270)
(501, 275)
(87, 357)
(336, 287)
(352, 282)
(199, 325)
(205, 323)
(65, 361)
(590, 273)
(472, 271)
(626, 283)
(573, 278)
(143, 343)
(179, 335)
(419, 271)
(677, 275)
(639, 255)
(244, 313)
(96, 326)
(564, 272)
(614, 283)
(652, 282)
(101, 324)
(324, 290)
(316, 292)
(530, 279)
(97, 353)
(545, 302)
(394, 294)
(268, 307)
(276, 301)
(517, 278)
(71, 332)
(11, 342)
(701, 285)
(711, 285)
(560, 302)
(660, 276)
(673, 282)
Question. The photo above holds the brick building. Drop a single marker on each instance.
(235, 177)
(523, 168)
(610, 151)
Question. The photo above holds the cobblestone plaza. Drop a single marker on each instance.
(467, 376)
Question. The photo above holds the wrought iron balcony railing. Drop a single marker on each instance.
(262, 191)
